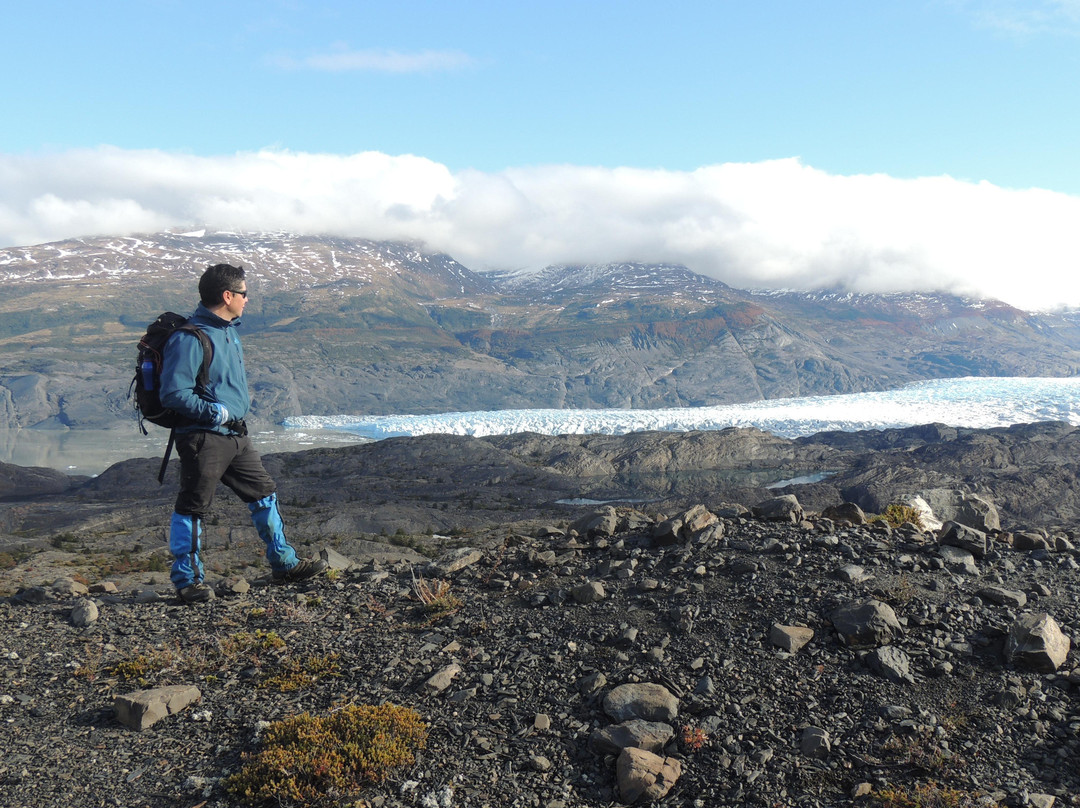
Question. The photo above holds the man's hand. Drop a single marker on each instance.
(220, 414)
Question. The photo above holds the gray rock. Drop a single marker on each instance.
(1035, 641)
(866, 623)
(852, 573)
(645, 777)
(815, 742)
(892, 663)
(967, 538)
(647, 701)
(1003, 597)
(652, 736)
(591, 592)
(847, 512)
(230, 587)
(335, 560)
(790, 638)
(454, 561)
(1029, 540)
(958, 559)
(602, 522)
(145, 708)
(83, 613)
(69, 588)
(441, 680)
(785, 508)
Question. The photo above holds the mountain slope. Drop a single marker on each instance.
(354, 326)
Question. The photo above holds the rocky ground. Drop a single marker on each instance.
(779, 658)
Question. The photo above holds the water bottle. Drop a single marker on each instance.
(148, 374)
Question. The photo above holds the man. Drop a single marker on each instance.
(213, 444)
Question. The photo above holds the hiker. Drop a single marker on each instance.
(212, 440)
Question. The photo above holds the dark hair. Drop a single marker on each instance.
(216, 280)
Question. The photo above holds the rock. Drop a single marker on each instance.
(647, 701)
(104, 588)
(1036, 642)
(1028, 541)
(852, 574)
(645, 777)
(69, 588)
(335, 560)
(32, 595)
(602, 522)
(967, 538)
(441, 680)
(847, 512)
(866, 623)
(230, 587)
(892, 663)
(958, 559)
(144, 708)
(454, 561)
(1041, 800)
(651, 736)
(1012, 598)
(927, 519)
(591, 592)
(815, 742)
(790, 638)
(784, 508)
(147, 596)
(83, 613)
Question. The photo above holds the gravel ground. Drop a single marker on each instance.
(537, 656)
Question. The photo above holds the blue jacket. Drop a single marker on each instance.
(227, 378)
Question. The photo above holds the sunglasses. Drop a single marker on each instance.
(242, 294)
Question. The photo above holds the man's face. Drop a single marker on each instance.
(235, 300)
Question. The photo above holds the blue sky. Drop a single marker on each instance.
(463, 115)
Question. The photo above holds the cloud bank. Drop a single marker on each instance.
(776, 224)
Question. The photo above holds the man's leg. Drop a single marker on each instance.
(247, 476)
(203, 459)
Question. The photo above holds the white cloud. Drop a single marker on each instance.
(341, 60)
(772, 224)
(1026, 18)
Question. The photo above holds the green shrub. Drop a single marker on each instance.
(308, 761)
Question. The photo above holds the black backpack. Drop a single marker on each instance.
(146, 385)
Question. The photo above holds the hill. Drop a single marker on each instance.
(338, 326)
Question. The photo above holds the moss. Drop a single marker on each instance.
(306, 760)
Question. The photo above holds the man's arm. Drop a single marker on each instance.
(179, 373)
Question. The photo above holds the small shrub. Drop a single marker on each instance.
(139, 667)
(693, 738)
(296, 674)
(307, 760)
(928, 795)
(896, 514)
(436, 596)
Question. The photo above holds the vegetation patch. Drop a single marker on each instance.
(896, 515)
(296, 674)
(320, 761)
(928, 795)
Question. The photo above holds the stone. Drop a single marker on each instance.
(967, 538)
(441, 680)
(1036, 642)
(892, 663)
(852, 574)
(651, 736)
(1028, 541)
(144, 708)
(815, 742)
(104, 588)
(866, 623)
(602, 522)
(790, 638)
(647, 701)
(846, 512)
(784, 508)
(591, 592)
(958, 559)
(69, 588)
(1003, 597)
(1041, 800)
(230, 587)
(454, 561)
(645, 777)
(83, 613)
(335, 560)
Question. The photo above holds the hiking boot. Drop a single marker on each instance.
(304, 569)
(196, 593)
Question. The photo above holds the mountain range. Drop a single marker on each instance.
(336, 325)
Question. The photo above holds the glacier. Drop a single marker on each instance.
(977, 402)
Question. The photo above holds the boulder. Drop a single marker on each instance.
(784, 508)
(645, 777)
(790, 638)
(652, 736)
(967, 538)
(866, 624)
(144, 708)
(1036, 642)
(815, 742)
(647, 701)
(846, 512)
(83, 613)
(602, 522)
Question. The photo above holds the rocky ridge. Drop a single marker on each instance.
(719, 655)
